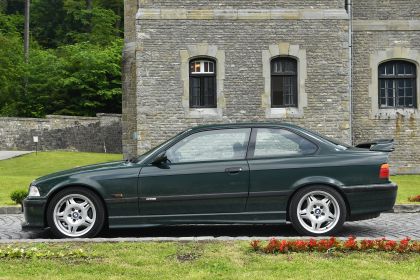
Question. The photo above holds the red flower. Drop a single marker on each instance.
(351, 243)
(283, 246)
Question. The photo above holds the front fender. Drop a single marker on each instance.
(86, 182)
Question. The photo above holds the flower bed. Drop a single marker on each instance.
(275, 246)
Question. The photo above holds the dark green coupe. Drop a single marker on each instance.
(233, 174)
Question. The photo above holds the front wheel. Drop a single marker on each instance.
(75, 212)
(317, 211)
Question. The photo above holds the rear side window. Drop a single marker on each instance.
(280, 142)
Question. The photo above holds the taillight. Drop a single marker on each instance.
(384, 171)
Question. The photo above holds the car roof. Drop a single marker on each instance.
(244, 125)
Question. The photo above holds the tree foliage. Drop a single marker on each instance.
(75, 58)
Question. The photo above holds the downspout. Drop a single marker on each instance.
(350, 44)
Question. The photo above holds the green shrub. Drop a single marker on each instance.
(18, 196)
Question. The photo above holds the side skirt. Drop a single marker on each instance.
(274, 217)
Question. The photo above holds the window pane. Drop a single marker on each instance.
(383, 101)
(211, 67)
(226, 144)
(400, 102)
(208, 91)
(277, 88)
(401, 92)
(382, 83)
(195, 91)
(280, 142)
(409, 69)
(400, 68)
(400, 83)
(389, 69)
(382, 69)
(382, 93)
(409, 102)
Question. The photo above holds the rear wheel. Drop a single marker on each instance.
(317, 211)
(75, 212)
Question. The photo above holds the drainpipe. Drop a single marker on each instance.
(350, 12)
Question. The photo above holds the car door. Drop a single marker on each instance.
(278, 158)
(206, 172)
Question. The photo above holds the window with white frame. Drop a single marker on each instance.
(203, 83)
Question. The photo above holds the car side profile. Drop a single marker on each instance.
(258, 173)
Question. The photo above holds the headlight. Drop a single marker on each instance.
(33, 191)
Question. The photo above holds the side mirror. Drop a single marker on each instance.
(161, 158)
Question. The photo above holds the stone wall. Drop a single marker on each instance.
(242, 35)
(250, 4)
(386, 9)
(385, 30)
(242, 42)
(86, 134)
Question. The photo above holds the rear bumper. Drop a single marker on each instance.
(370, 200)
(33, 210)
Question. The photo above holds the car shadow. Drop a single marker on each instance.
(203, 230)
(234, 231)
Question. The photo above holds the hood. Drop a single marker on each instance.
(82, 169)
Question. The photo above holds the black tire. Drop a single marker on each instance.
(97, 225)
(333, 227)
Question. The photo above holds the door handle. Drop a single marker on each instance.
(233, 170)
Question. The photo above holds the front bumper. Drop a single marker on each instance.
(34, 212)
(370, 200)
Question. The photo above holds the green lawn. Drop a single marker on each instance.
(408, 185)
(210, 260)
(17, 173)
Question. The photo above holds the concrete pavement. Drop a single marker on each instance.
(12, 154)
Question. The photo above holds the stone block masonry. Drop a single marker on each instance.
(337, 84)
(100, 134)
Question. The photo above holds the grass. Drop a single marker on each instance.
(408, 185)
(214, 260)
(17, 173)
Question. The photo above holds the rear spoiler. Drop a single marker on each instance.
(381, 145)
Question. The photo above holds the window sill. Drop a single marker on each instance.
(282, 113)
(393, 113)
(204, 113)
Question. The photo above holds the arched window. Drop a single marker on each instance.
(284, 82)
(397, 84)
(203, 83)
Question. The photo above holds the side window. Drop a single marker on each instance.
(281, 142)
(224, 144)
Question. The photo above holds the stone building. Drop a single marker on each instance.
(347, 69)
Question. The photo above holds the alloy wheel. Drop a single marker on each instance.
(318, 212)
(74, 215)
